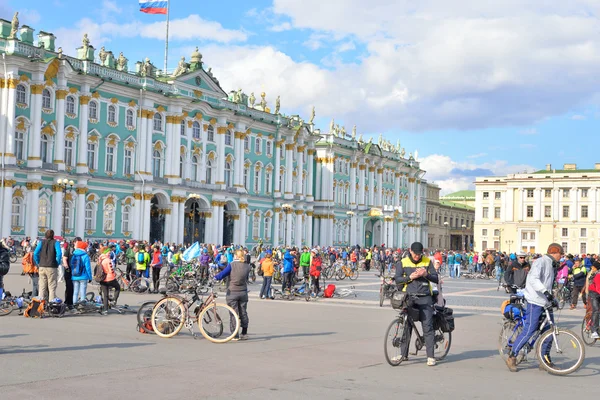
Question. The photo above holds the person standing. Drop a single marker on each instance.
(268, 268)
(578, 273)
(288, 270)
(237, 292)
(415, 274)
(516, 273)
(48, 256)
(80, 271)
(156, 264)
(130, 260)
(305, 262)
(315, 272)
(29, 268)
(368, 259)
(66, 262)
(594, 297)
(110, 281)
(142, 260)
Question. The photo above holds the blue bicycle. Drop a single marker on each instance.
(566, 350)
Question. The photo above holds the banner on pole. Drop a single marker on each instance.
(154, 6)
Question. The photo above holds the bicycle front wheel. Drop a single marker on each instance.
(353, 274)
(560, 351)
(140, 285)
(217, 319)
(586, 332)
(144, 317)
(13, 258)
(442, 343)
(5, 308)
(168, 317)
(392, 342)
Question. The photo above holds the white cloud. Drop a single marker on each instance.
(284, 26)
(578, 117)
(528, 131)
(346, 46)
(110, 6)
(453, 175)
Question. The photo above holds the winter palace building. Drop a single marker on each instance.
(176, 158)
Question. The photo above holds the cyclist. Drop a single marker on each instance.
(516, 273)
(415, 274)
(538, 292)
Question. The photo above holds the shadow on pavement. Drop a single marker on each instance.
(13, 335)
(471, 355)
(291, 335)
(47, 349)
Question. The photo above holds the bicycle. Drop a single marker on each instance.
(387, 289)
(586, 326)
(144, 317)
(11, 303)
(172, 313)
(562, 293)
(344, 292)
(397, 334)
(561, 340)
(346, 272)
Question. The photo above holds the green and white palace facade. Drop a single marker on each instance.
(175, 158)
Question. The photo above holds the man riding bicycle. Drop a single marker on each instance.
(415, 274)
(538, 293)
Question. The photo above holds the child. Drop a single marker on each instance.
(30, 269)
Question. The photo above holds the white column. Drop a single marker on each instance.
(137, 205)
(31, 218)
(299, 169)
(212, 222)
(555, 204)
(299, 228)
(239, 156)
(171, 162)
(288, 227)
(277, 191)
(7, 192)
(309, 176)
(319, 179)
(82, 166)
(59, 143)
(537, 208)
(371, 185)
(187, 173)
(352, 230)
(9, 95)
(523, 206)
(276, 227)
(57, 210)
(140, 150)
(181, 220)
(353, 201)
(574, 204)
(221, 129)
(33, 156)
(397, 189)
(289, 149)
(236, 229)
(220, 226)
(309, 229)
(169, 223)
(146, 199)
(380, 188)
(174, 236)
(204, 157)
(147, 155)
(594, 204)
(361, 184)
(243, 222)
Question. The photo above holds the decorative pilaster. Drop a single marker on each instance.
(289, 150)
(34, 159)
(276, 212)
(243, 221)
(371, 186)
(309, 187)
(299, 169)
(57, 209)
(148, 150)
(361, 184)
(82, 166)
(352, 200)
(7, 192)
(299, 214)
(379, 187)
(8, 119)
(309, 228)
(59, 143)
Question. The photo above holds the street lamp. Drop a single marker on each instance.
(463, 237)
(65, 184)
(509, 242)
(447, 224)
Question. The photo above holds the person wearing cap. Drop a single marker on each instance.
(516, 273)
(414, 274)
(268, 267)
(538, 293)
(578, 273)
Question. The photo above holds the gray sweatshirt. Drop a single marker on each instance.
(539, 280)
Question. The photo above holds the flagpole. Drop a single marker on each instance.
(167, 39)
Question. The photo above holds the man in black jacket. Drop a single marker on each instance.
(516, 273)
(414, 275)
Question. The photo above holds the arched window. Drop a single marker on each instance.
(228, 138)
(112, 114)
(257, 145)
(93, 110)
(68, 215)
(210, 134)
(109, 218)
(267, 233)
(182, 128)
(282, 220)
(227, 174)
(21, 94)
(17, 212)
(125, 219)
(44, 146)
(256, 185)
(195, 167)
(129, 118)
(181, 166)
(157, 163)
(255, 225)
(70, 105)
(43, 214)
(91, 153)
(90, 217)
(19, 145)
(158, 125)
(196, 130)
(246, 177)
(127, 160)
(209, 171)
(268, 181)
(246, 143)
(110, 159)
(269, 148)
(46, 99)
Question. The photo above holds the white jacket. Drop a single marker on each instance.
(539, 280)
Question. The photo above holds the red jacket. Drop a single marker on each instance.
(315, 267)
(595, 283)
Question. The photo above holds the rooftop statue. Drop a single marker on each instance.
(332, 127)
(312, 115)
(102, 55)
(181, 68)
(416, 155)
(360, 139)
(121, 62)
(263, 101)
(196, 56)
(354, 132)
(14, 26)
(252, 99)
(402, 153)
(60, 52)
(343, 132)
(86, 42)
(277, 105)
(146, 67)
(398, 145)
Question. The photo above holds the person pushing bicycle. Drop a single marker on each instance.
(414, 275)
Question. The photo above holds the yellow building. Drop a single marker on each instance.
(527, 212)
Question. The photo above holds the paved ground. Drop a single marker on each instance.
(327, 349)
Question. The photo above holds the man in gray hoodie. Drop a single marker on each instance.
(538, 293)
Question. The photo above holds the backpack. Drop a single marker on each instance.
(140, 257)
(4, 261)
(77, 266)
(329, 291)
(35, 309)
(99, 274)
(28, 264)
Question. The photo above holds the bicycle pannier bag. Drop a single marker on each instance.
(399, 300)
(444, 320)
(35, 309)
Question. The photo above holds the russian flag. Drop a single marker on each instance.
(154, 6)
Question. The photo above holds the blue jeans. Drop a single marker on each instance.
(498, 273)
(265, 291)
(530, 325)
(79, 290)
(457, 269)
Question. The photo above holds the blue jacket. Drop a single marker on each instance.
(451, 259)
(38, 249)
(288, 262)
(229, 257)
(87, 272)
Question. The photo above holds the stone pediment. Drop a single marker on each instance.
(199, 80)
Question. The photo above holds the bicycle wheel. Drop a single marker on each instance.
(216, 319)
(566, 353)
(13, 258)
(172, 285)
(560, 299)
(586, 332)
(392, 340)
(144, 316)
(340, 276)
(140, 285)
(168, 317)
(5, 308)
(353, 274)
(381, 295)
(442, 343)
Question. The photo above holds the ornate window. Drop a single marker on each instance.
(91, 155)
(196, 130)
(21, 94)
(129, 119)
(112, 114)
(246, 177)
(126, 219)
(19, 145)
(246, 144)
(209, 171)
(110, 159)
(255, 225)
(268, 177)
(210, 134)
(93, 110)
(228, 138)
(256, 185)
(227, 174)
(157, 163)
(70, 105)
(158, 122)
(269, 146)
(195, 167)
(90, 216)
(109, 218)
(43, 214)
(257, 145)
(68, 215)
(44, 147)
(267, 232)
(46, 99)
(17, 212)
(127, 161)
(181, 166)
(182, 128)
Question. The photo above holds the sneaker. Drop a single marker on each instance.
(431, 362)
(263, 297)
(573, 307)
(594, 335)
(243, 336)
(511, 363)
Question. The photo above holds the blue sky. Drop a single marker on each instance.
(476, 87)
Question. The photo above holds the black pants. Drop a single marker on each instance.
(595, 299)
(68, 288)
(575, 295)
(315, 284)
(287, 280)
(305, 271)
(130, 273)
(423, 306)
(239, 302)
(203, 272)
(155, 278)
(105, 287)
(368, 265)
